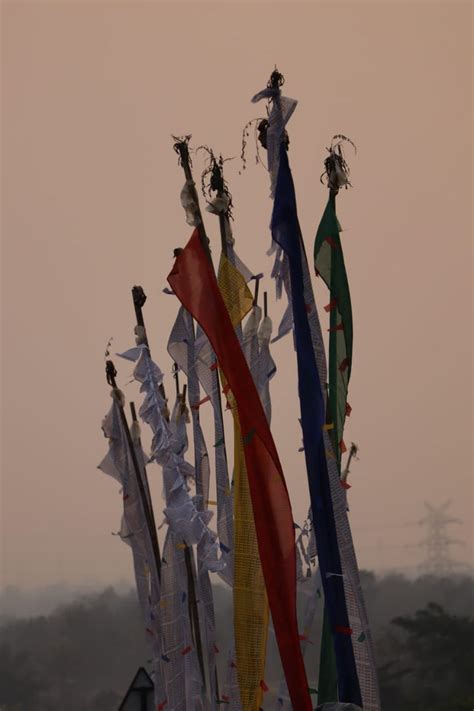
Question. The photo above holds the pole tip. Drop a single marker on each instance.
(276, 80)
(139, 296)
(181, 147)
(110, 373)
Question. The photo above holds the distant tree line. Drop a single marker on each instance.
(82, 656)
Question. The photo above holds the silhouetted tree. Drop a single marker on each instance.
(82, 656)
(432, 663)
(19, 685)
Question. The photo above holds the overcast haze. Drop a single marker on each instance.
(91, 93)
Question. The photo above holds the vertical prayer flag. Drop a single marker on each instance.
(329, 264)
(193, 281)
(287, 234)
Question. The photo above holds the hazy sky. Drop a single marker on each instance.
(91, 93)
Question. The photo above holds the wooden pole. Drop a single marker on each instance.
(139, 298)
(181, 147)
(352, 452)
(255, 297)
(153, 533)
(149, 518)
(176, 378)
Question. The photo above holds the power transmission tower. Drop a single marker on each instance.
(438, 543)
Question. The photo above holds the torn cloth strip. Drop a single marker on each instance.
(282, 108)
(208, 378)
(202, 365)
(193, 281)
(286, 232)
(181, 347)
(187, 524)
(329, 264)
(181, 674)
(169, 446)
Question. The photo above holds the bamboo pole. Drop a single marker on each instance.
(189, 562)
(139, 298)
(147, 510)
(153, 533)
(181, 147)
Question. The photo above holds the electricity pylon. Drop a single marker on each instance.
(438, 543)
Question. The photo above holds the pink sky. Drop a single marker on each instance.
(91, 93)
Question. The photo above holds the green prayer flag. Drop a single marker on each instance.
(329, 264)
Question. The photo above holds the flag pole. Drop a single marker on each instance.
(146, 486)
(217, 185)
(352, 453)
(181, 147)
(176, 378)
(111, 374)
(250, 667)
(325, 491)
(192, 270)
(139, 298)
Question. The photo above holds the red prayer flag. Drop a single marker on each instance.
(193, 281)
